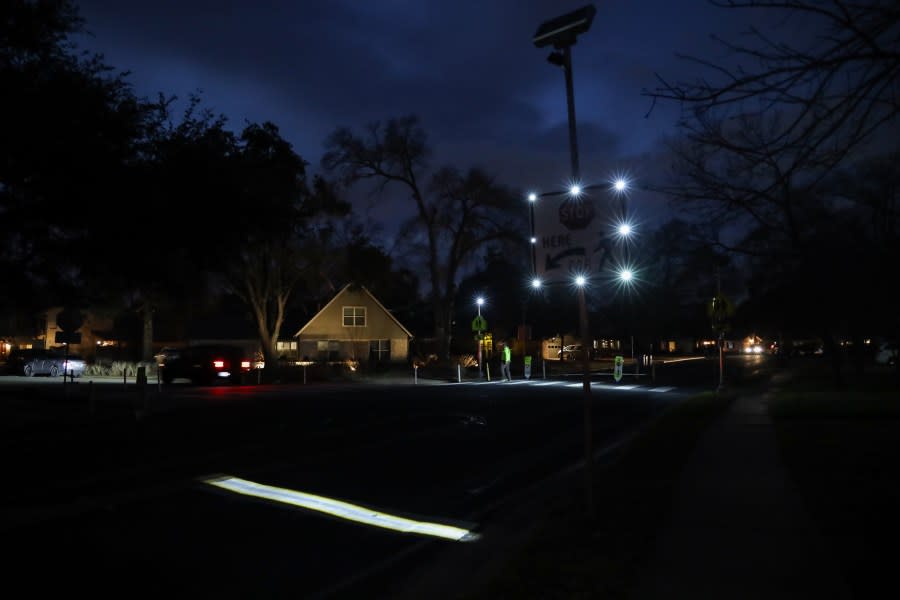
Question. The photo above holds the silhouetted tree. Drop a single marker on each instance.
(277, 224)
(456, 215)
(761, 142)
(69, 130)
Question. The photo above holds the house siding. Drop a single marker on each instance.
(352, 342)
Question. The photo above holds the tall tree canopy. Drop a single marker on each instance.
(456, 215)
(69, 130)
(776, 147)
(276, 214)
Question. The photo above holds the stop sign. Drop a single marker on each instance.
(576, 213)
(69, 319)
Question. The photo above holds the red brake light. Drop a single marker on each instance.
(219, 364)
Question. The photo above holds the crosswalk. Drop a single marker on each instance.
(595, 385)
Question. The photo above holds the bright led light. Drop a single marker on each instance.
(532, 197)
(479, 301)
(580, 281)
(343, 510)
(624, 229)
(620, 184)
(626, 275)
(535, 283)
(534, 240)
(575, 190)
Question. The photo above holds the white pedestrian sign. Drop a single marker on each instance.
(567, 236)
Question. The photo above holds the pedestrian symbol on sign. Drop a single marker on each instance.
(617, 371)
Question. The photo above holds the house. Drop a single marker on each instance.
(95, 331)
(354, 325)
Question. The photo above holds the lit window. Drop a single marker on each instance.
(354, 316)
(282, 346)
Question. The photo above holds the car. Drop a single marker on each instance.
(52, 362)
(207, 364)
(887, 353)
(570, 352)
(166, 353)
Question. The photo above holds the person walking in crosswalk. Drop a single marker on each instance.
(505, 361)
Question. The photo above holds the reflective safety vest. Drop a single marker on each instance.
(507, 354)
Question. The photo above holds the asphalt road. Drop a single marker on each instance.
(106, 490)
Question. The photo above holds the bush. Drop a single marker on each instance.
(118, 367)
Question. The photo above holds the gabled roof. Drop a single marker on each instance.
(370, 295)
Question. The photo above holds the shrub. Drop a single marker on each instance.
(118, 367)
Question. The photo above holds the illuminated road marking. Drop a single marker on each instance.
(343, 510)
(594, 385)
(677, 360)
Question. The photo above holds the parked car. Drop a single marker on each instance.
(166, 353)
(207, 364)
(887, 353)
(52, 362)
(570, 352)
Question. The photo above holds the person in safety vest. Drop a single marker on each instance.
(505, 360)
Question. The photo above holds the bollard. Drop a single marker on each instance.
(458, 373)
(141, 381)
(416, 374)
(304, 374)
(124, 377)
(487, 368)
(652, 372)
(544, 367)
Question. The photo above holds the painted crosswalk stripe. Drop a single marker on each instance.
(341, 509)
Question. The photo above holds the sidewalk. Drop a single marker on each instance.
(738, 527)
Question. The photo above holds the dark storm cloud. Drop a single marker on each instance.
(484, 93)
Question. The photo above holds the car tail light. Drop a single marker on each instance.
(219, 364)
(245, 364)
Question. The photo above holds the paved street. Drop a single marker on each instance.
(121, 489)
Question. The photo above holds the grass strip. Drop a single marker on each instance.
(569, 556)
(842, 450)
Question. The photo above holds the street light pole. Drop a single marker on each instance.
(532, 198)
(480, 335)
(562, 33)
(570, 100)
(588, 423)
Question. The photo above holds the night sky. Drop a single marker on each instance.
(486, 96)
